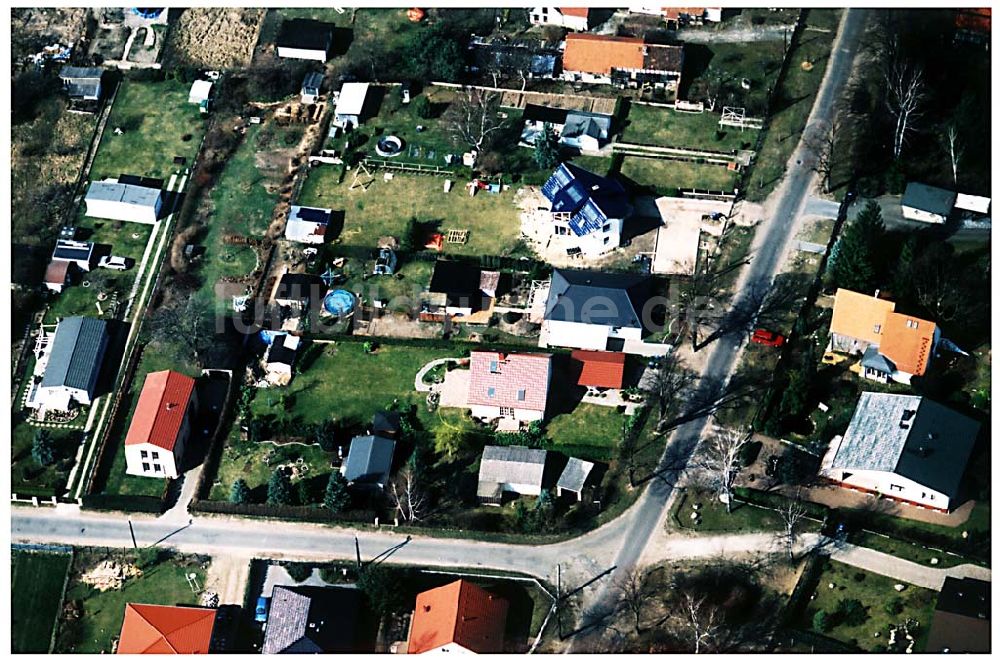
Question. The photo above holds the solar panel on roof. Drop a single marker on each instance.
(314, 215)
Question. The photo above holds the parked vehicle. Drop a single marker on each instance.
(114, 263)
(767, 338)
(260, 613)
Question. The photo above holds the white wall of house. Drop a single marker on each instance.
(152, 461)
(123, 211)
(586, 77)
(522, 489)
(911, 213)
(552, 16)
(58, 397)
(492, 412)
(889, 484)
(302, 54)
(713, 14)
(450, 648)
(592, 337)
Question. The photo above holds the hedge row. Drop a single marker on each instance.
(297, 513)
(128, 503)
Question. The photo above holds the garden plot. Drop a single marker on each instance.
(658, 126)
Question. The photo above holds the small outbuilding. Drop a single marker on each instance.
(58, 274)
(924, 203)
(304, 39)
(125, 199)
(73, 363)
(369, 461)
(295, 290)
(200, 92)
(308, 225)
(574, 477)
(311, 87)
(79, 253)
(350, 105)
(510, 469)
(82, 83)
(279, 359)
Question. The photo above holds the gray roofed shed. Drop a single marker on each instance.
(928, 198)
(369, 460)
(76, 353)
(510, 466)
(574, 475)
(911, 436)
(131, 194)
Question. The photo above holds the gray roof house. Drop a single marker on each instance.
(926, 203)
(514, 469)
(74, 361)
(369, 460)
(312, 620)
(82, 82)
(585, 131)
(904, 446)
(574, 476)
(594, 297)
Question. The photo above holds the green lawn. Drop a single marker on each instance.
(908, 550)
(875, 593)
(794, 102)
(386, 207)
(26, 475)
(715, 518)
(342, 381)
(155, 119)
(245, 460)
(757, 61)
(657, 126)
(667, 176)
(36, 582)
(591, 432)
(103, 612)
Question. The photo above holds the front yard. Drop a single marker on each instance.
(655, 126)
(883, 605)
(666, 177)
(386, 207)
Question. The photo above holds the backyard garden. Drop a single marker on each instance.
(667, 177)
(37, 580)
(656, 126)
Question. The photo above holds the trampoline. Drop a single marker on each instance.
(389, 146)
(339, 303)
(147, 12)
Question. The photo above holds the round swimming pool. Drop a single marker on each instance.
(339, 303)
(389, 146)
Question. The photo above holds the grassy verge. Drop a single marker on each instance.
(36, 591)
(793, 102)
(909, 551)
(875, 593)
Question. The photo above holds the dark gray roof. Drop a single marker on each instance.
(575, 474)
(76, 353)
(312, 81)
(581, 123)
(311, 620)
(70, 250)
(592, 297)
(278, 352)
(544, 114)
(909, 435)
(86, 90)
(927, 198)
(874, 360)
(965, 596)
(369, 459)
(308, 34)
(81, 73)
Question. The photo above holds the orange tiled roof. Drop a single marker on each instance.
(976, 20)
(674, 13)
(907, 342)
(151, 629)
(859, 316)
(598, 54)
(461, 613)
(600, 368)
(579, 12)
(159, 414)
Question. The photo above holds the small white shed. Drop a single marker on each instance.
(350, 104)
(200, 92)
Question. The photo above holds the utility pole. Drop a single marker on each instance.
(357, 550)
(132, 532)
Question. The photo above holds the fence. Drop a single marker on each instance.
(292, 513)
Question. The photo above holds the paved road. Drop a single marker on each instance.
(770, 245)
(771, 33)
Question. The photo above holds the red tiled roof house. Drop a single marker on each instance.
(623, 61)
(509, 386)
(459, 618)
(151, 629)
(161, 425)
(598, 369)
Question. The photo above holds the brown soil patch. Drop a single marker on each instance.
(217, 38)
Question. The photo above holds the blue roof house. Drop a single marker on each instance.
(587, 208)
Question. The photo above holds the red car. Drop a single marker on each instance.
(768, 338)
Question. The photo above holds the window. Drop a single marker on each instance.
(494, 366)
(911, 324)
(145, 454)
(606, 240)
(506, 411)
(156, 455)
(157, 468)
(607, 228)
(145, 467)
(893, 486)
(491, 392)
(878, 328)
(520, 395)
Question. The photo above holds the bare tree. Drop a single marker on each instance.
(406, 494)
(955, 149)
(721, 460)
(699, 620)
(666, 381)
(635, 590)
(904, 97)
(475, 119)
(792, 513)
(717, 82)
(822, 144)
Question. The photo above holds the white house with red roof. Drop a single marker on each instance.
(161, 425)
(509, 386)
(571, 18)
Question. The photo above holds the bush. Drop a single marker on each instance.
(894, 606)
(423, 107)
(337, 496)
(299, 571)
(821, 622)
(43, 451)
(240, 493)
(851, 612)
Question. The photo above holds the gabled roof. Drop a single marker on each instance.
(81, 74)
(859, 316)
(928, 198)
(73, 250)
(873, 360)
(136, 195)
(961, 621)
(301, 33)
(599, 54)
(159, 414)
(663, 58)
(76, 353)
(908, 342)
(591, 200)
(909, 435)
(517, 465)
(593, 297)
(57, 272)
(369, 460)
(461, 613)
(151, 629)
(282, 349)
(460, 282)
(602, 369)
(579, 12)
(311, 620)
(520, 381)
(351, 101)
(575, 474)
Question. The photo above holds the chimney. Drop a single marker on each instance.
(876, 293)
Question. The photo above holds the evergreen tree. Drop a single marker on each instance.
(42, 449)
(384, 589)
(305, 492)
(279, 489)
(337, 497)
(821, 621)
(547, 148)
(902, 278)
(240, 493)
(855, 254)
